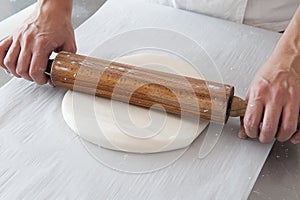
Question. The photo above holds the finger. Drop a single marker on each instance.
(296, 138)
(11, 58)
(4, 46)
(270, 123)
(253, 117)
(38, 66)
(242, 132)
(289, 121)
(23, 63)
(25, 56)
(69, 47)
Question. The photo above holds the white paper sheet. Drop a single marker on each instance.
(41, 158)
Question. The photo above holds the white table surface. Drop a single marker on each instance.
(40, 154)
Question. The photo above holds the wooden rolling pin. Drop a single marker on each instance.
(147, 88)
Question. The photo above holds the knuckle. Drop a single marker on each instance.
(267, 134)
(279, 94)
(36, 76)
(290, 128)
(40, 81)
(265, 140)
(297, 136)
(252, 131)
(294, 95)
(8, 61)
(74, 48)
(258, 95)
(250, 123)
(17, 36)
(42, 43)
(29, 35)
(269, 129)
(34, 73)
(284, 134)
(261, 89)
(2, 61)
(250, 126)
(27, 39)
(20, 71)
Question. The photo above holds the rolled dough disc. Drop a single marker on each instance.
(123, 127)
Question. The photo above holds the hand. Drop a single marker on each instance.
(26, 52)
(274, 94)
(274, 99)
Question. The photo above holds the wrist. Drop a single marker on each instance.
(285, 57)
(58, 8)
(289, 43)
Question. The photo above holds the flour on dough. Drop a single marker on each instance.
(123, 127)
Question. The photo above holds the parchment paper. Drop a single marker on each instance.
(41, 158)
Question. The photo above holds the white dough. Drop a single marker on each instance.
(123, 127)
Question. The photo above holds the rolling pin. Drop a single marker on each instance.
(175, 94)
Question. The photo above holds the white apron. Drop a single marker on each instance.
(232, 10)
(273, 15)
(268, 14)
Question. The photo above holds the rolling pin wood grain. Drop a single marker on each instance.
(175, 94)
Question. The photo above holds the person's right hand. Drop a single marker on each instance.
(26, 52)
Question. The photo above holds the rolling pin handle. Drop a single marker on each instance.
(238, 107)
(48, 69)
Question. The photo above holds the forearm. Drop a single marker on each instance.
(289, 43)
(274, 93)
(56, 8)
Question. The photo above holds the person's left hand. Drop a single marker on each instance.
(274, 100)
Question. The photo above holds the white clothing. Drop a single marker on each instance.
(268, 14)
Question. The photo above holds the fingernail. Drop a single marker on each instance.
(295, 141)
(242, 134)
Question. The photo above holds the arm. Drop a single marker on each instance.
(274, 94)
(49, 28)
